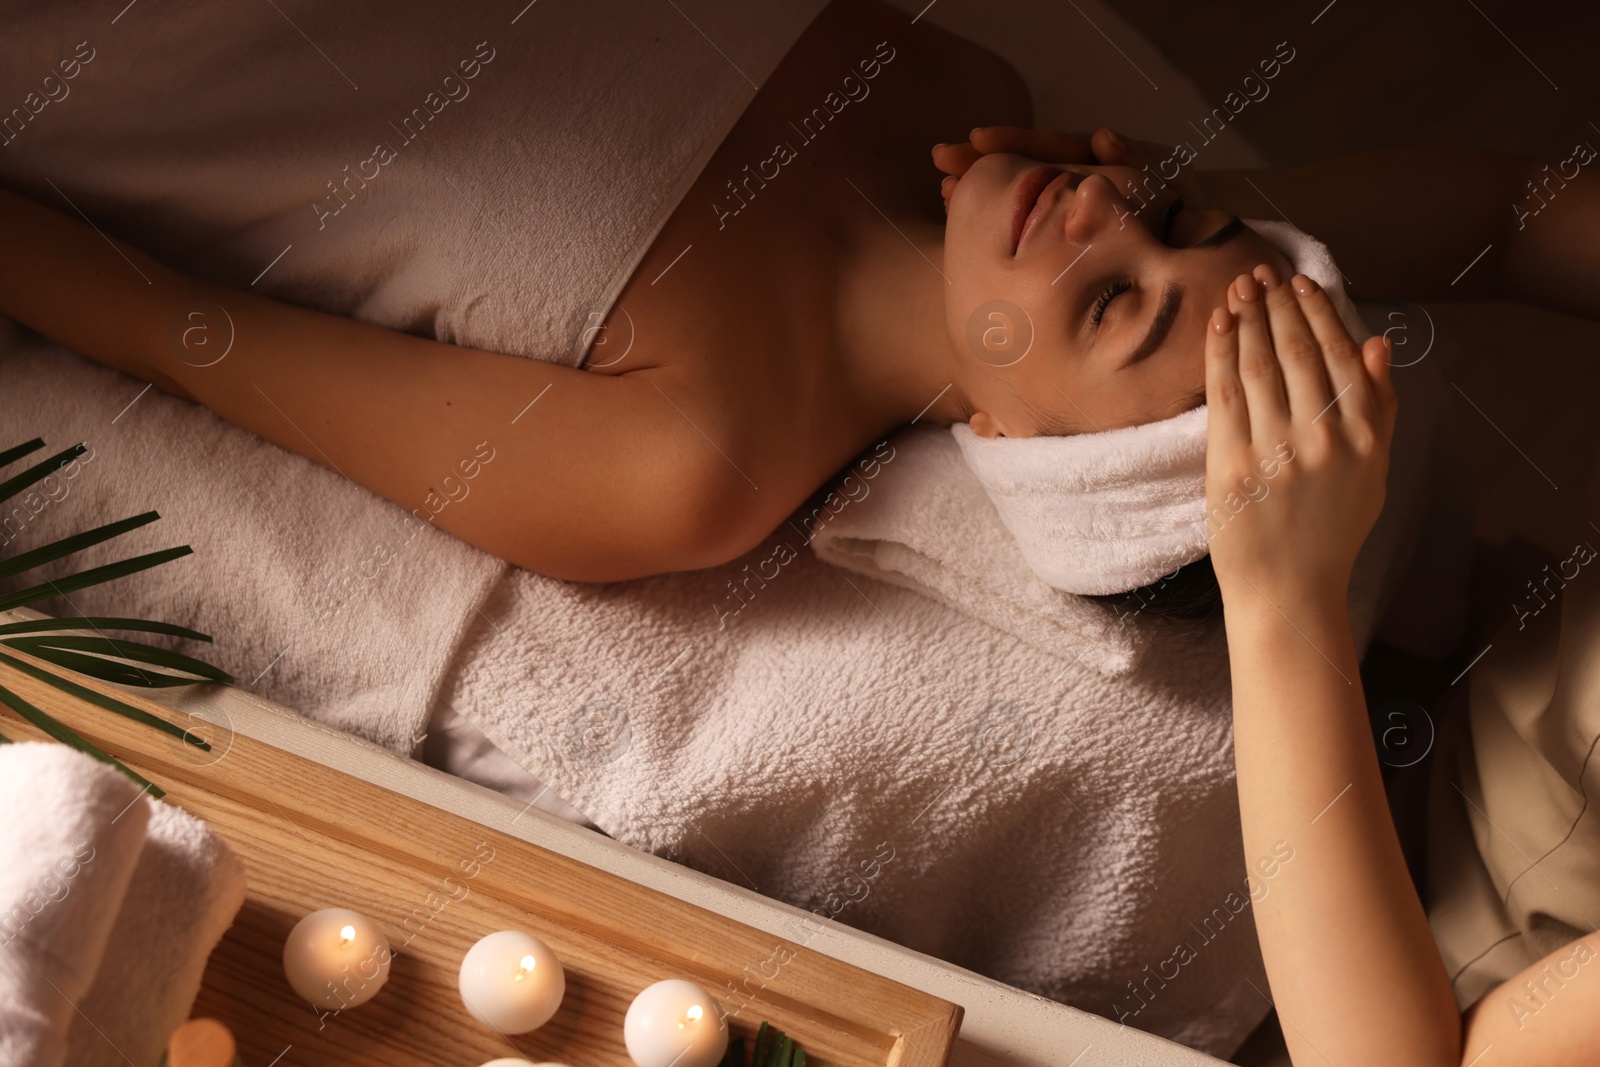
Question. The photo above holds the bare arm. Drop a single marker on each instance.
(1351, 960)
(599, 480)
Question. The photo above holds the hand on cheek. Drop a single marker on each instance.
(1290, 390)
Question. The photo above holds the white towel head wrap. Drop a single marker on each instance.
(1113, 511)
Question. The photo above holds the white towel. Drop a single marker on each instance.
(1112, 511)
(937, 542)
(1098, 512)
(71, 831)
(184, 894)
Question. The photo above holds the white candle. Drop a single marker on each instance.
(336, 958)
(512, 981)
(675, 1024)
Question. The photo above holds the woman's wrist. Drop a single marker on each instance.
(186, 332)
(1305, 601)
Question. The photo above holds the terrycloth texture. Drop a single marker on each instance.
(394, 155)
(1112, 511)
(1052, 826)
(925, 524)
(1098, 512)
(183, 896)
(70, 837)
(931, 528)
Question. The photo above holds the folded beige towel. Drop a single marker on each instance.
(71, 830)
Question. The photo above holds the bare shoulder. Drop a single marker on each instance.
(740, 464)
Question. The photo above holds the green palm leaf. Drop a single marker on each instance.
(61, 733)
(83, 692)
(94, 576)
(11, 455)
(134, 650)
(772, 1048)
(100, 622)
(95, 656)
(39, 471)
(68, 545)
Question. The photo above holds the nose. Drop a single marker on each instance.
(1097, 211)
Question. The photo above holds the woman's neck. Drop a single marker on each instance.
(895, 358)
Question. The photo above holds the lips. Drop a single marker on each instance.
(1037, 193)
(1028, 190)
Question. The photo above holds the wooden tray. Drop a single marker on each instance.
(311, 837)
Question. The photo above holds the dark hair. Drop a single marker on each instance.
(1190, 592)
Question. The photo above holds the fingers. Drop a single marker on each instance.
(1258, 365)
(1341, 356)
(1227, 414)
(1298, 364)
(954, 159)
(1047, 146)
(1377, 354)
(1300, 356)
(1111, 147)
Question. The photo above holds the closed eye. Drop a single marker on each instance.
(1112, 291)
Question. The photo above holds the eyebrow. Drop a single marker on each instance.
(1172, 297)
(1166, 315)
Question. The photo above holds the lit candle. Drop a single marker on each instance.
(336, 958)
(675, 1023)
(512, 981)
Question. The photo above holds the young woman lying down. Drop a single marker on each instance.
(837, 309)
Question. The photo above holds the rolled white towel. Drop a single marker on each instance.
(1113, 511)
(71, 832)
(185, 892)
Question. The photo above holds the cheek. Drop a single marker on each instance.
(997, 332)
(1191, 377)
(1252, 255)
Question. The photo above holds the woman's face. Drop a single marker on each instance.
(1098, 316)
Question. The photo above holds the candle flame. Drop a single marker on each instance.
(528, 964)
(347, 934)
